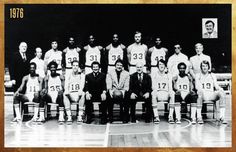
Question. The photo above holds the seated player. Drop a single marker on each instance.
(95, 89)
(52, 92)
(74, 85)
(162, 91)
(208, 89)
(184, 91)
(140, 89)
(33, 84)
(118, 86)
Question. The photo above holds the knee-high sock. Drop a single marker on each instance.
(68, 112)
(199, 111)
(171, 110)
(41, 113)
(61, 112)
(155, 110)
(177, 111)
(17, 110)
(81, 111)
(36, 111)
(193, 110)
(222, 112)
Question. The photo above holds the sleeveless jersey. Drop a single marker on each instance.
(74, 83)
(54, 84)
(114, 54)
(32, 87)
(162, 82)
(206, 82)
(183, 84)
(157, 54)
(137, 54)
(92, 54)
(57, 57)
(71, 55)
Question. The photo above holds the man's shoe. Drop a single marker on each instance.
(156, 120)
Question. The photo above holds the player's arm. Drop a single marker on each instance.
(63, 62)
(82, 82)
(191, 67)
(23, 83)
(191, 83)
(148, 59)
(170, 83)
(217, 87)
(174, 85)
(125, 57)
(40, 84)
(62, 82)
(209, 58)
(46, 58)
(129, 53)
(167, 53)
(197, 82)
(83, 57)
(103, 60)
(169, 64)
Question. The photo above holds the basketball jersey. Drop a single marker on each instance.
(162, 82)
(138, 54)
(71, 55)
(183, 83)
(156, 55)
(114, 54)
(32, 87)
(54, 84)
(55, 56)
(206, 82)
(74, 83)
(92, 54)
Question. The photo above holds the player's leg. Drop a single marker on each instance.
(192, 100)
(110, 104)
(148, 112)
(178, 100)
(17, 100)
(199, 107)
(59, 101)
(221, 96)
(36, 100)
(67, 103)
(81, 106)
(45, 98)
(171, 96)
(132, 109)
(154, 107)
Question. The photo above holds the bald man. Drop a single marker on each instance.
(39, 62)
(140, 90)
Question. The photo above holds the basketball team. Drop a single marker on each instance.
(117, 75)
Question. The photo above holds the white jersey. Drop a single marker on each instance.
(162, 82)
(54, 84)
(71, 55)
(40, 66)
(114, 54)
(157, 54)
(137, 53)
(32, 87)
(206, 82)
(183, 84)
(92, 54)
(75, 83)
(56, 56)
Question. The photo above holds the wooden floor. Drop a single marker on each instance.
(117, 134)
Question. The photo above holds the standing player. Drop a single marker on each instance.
(115, 51)
(184, 91)
(33, 84)
(154, 54)
(53, 55)
(53, 92)
(208, 89)
(70, 54)
(162, 91)
(136, 52)
(74, 91)
(196, 60)
(175, 59)
(39, 62)
(92, 52)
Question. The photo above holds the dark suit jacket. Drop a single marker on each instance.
(95, 85)
(18, 68)
(140, 88)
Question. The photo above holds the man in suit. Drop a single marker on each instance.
(19, 67)
(118, 81)
(95, 90)
(140, 89)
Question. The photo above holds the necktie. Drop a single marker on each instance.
(24, 57)
(140, 78)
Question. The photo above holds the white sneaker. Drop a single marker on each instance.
(193, 121)
(178, 121)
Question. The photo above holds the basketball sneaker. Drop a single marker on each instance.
(156, 120)
(200, 121)
(171, 120)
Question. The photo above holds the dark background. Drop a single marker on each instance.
(174, 23)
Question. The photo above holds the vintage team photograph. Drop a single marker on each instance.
(118, 75)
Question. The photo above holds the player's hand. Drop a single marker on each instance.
(103, 96)
(17, 93)
(146, 95)
(43, 92)
(177, 93)
(192, 93)
(133, 96)
(88, 96)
